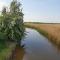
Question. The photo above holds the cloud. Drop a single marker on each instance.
(1, 5)
(4, 3)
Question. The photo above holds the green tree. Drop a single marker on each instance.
(11, 23)
(4, 11)
(17, 15)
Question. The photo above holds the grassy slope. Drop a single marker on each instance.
(51, 31)
(6, 51)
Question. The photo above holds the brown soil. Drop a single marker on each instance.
(17, 54)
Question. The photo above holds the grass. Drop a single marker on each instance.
(2, 46)
(39, 30)
(51, 31)
(6, 51)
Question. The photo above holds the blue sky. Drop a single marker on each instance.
(39, 10)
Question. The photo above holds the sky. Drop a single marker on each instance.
(38, 10)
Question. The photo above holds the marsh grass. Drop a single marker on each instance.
(2, 45)
(51, 31)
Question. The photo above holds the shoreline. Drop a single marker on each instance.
(45, 33)
(17, 54)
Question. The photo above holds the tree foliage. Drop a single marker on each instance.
(11, 23)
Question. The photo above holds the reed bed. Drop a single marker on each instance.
(51, 31)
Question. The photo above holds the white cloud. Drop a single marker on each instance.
(3, 3)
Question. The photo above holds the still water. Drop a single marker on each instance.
(37, 47)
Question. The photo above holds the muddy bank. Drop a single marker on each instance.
(17, 54)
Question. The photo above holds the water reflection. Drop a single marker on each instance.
(38, 47)
(17, 54)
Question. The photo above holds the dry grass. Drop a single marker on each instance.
(52, 30)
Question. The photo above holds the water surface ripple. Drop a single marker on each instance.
(37, 47)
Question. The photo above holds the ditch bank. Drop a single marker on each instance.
(7, 52)
(54, 39)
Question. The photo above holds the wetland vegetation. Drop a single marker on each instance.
(49, 30)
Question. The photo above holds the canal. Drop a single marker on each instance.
(38, 47)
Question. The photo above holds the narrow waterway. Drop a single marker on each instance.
(37, 47)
